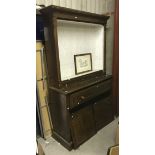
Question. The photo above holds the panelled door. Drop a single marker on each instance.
(103, 112)
(83, 125)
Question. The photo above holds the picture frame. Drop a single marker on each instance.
(83, 63)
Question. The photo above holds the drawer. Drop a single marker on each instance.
(89, 93)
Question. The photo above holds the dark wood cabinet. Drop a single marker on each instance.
(79, 111)
(81, 104)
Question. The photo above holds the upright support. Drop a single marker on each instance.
(104, 63)
(115, 70)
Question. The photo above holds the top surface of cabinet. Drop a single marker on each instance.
(70, 87)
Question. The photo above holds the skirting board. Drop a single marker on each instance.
(62, 141)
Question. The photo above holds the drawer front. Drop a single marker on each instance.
(89, 93)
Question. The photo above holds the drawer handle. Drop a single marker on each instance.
(82, 97)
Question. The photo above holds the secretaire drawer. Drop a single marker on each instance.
(89, 93)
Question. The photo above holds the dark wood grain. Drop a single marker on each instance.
(89, 93)
(103, 111)
(83, 125)
(59, 113)
(115, 70)
(104, 63)
(74, 15)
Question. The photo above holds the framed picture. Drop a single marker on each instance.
(83, 63)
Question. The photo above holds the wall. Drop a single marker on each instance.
(94, 6)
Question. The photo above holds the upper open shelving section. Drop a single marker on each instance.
(75, 43)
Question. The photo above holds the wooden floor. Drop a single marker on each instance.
(97, 145)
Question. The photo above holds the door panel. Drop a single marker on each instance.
(103, 112)
(83, 125)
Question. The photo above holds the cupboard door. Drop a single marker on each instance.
(103, 112)
(83, 125)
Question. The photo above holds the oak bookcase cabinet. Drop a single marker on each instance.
(80, 104)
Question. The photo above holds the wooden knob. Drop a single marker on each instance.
(82, 97)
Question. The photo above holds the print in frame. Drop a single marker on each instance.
(83, 63)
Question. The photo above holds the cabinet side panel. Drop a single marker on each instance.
(50, 51)
(60, 115)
